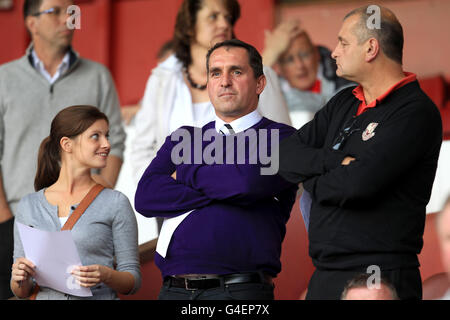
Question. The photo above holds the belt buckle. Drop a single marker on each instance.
(186, 286)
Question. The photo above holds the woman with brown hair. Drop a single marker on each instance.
(106, 233)
(176, 93)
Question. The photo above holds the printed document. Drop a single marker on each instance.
(55, 255)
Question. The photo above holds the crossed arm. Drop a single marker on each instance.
(169, 190)
(337, 178)
(159, 194)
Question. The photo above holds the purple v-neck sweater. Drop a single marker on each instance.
(239, 220)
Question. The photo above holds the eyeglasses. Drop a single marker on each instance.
(302, 55)
(55, 11)
(344, 134)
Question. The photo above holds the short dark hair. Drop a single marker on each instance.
(389, 35)
(184, 32)
(31, 7)
(360, 281)
(254, 58)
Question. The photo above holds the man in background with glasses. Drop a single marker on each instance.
(307, 72)
(33, 89)
(367, 162)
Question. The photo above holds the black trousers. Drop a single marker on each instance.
(240, 291)
(329, 284)
(6, 257)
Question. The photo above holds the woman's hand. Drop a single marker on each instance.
(22, 270)
(90, 276)
(278, 41)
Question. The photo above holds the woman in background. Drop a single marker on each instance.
(78, 142)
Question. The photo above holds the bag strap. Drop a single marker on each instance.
(76, 214)
(84, 204)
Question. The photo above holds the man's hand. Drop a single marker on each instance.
(100, 180)
(347, 160)
(128, 112)
(110, 173)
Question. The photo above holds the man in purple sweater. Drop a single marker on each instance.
(225, 208)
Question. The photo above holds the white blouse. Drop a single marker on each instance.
(63, 220)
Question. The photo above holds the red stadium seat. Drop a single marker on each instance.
(151, 276)
(296, 265)
(435, 88)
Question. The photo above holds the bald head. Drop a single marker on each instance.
(389, 34)
(364, 293)
(358, 288)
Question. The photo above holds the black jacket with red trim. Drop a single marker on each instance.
(371, 212)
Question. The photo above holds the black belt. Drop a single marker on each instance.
(209, 283)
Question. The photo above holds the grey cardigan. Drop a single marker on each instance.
(107, 229)
(28, 103)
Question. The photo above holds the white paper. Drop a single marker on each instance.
(55, 255)
(168, 228)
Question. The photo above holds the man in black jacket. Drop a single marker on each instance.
(367, 161)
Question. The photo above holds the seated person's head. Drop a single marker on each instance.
(299, 63)
(362, 288)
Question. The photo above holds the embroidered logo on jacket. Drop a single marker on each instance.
(370, 131)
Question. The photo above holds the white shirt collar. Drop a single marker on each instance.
(242, 123)
(62, 68)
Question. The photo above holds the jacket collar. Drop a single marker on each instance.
(73, 56)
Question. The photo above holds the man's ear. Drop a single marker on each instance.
(372, 49)
(66, 144)
(30, 23)
(260, 84)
